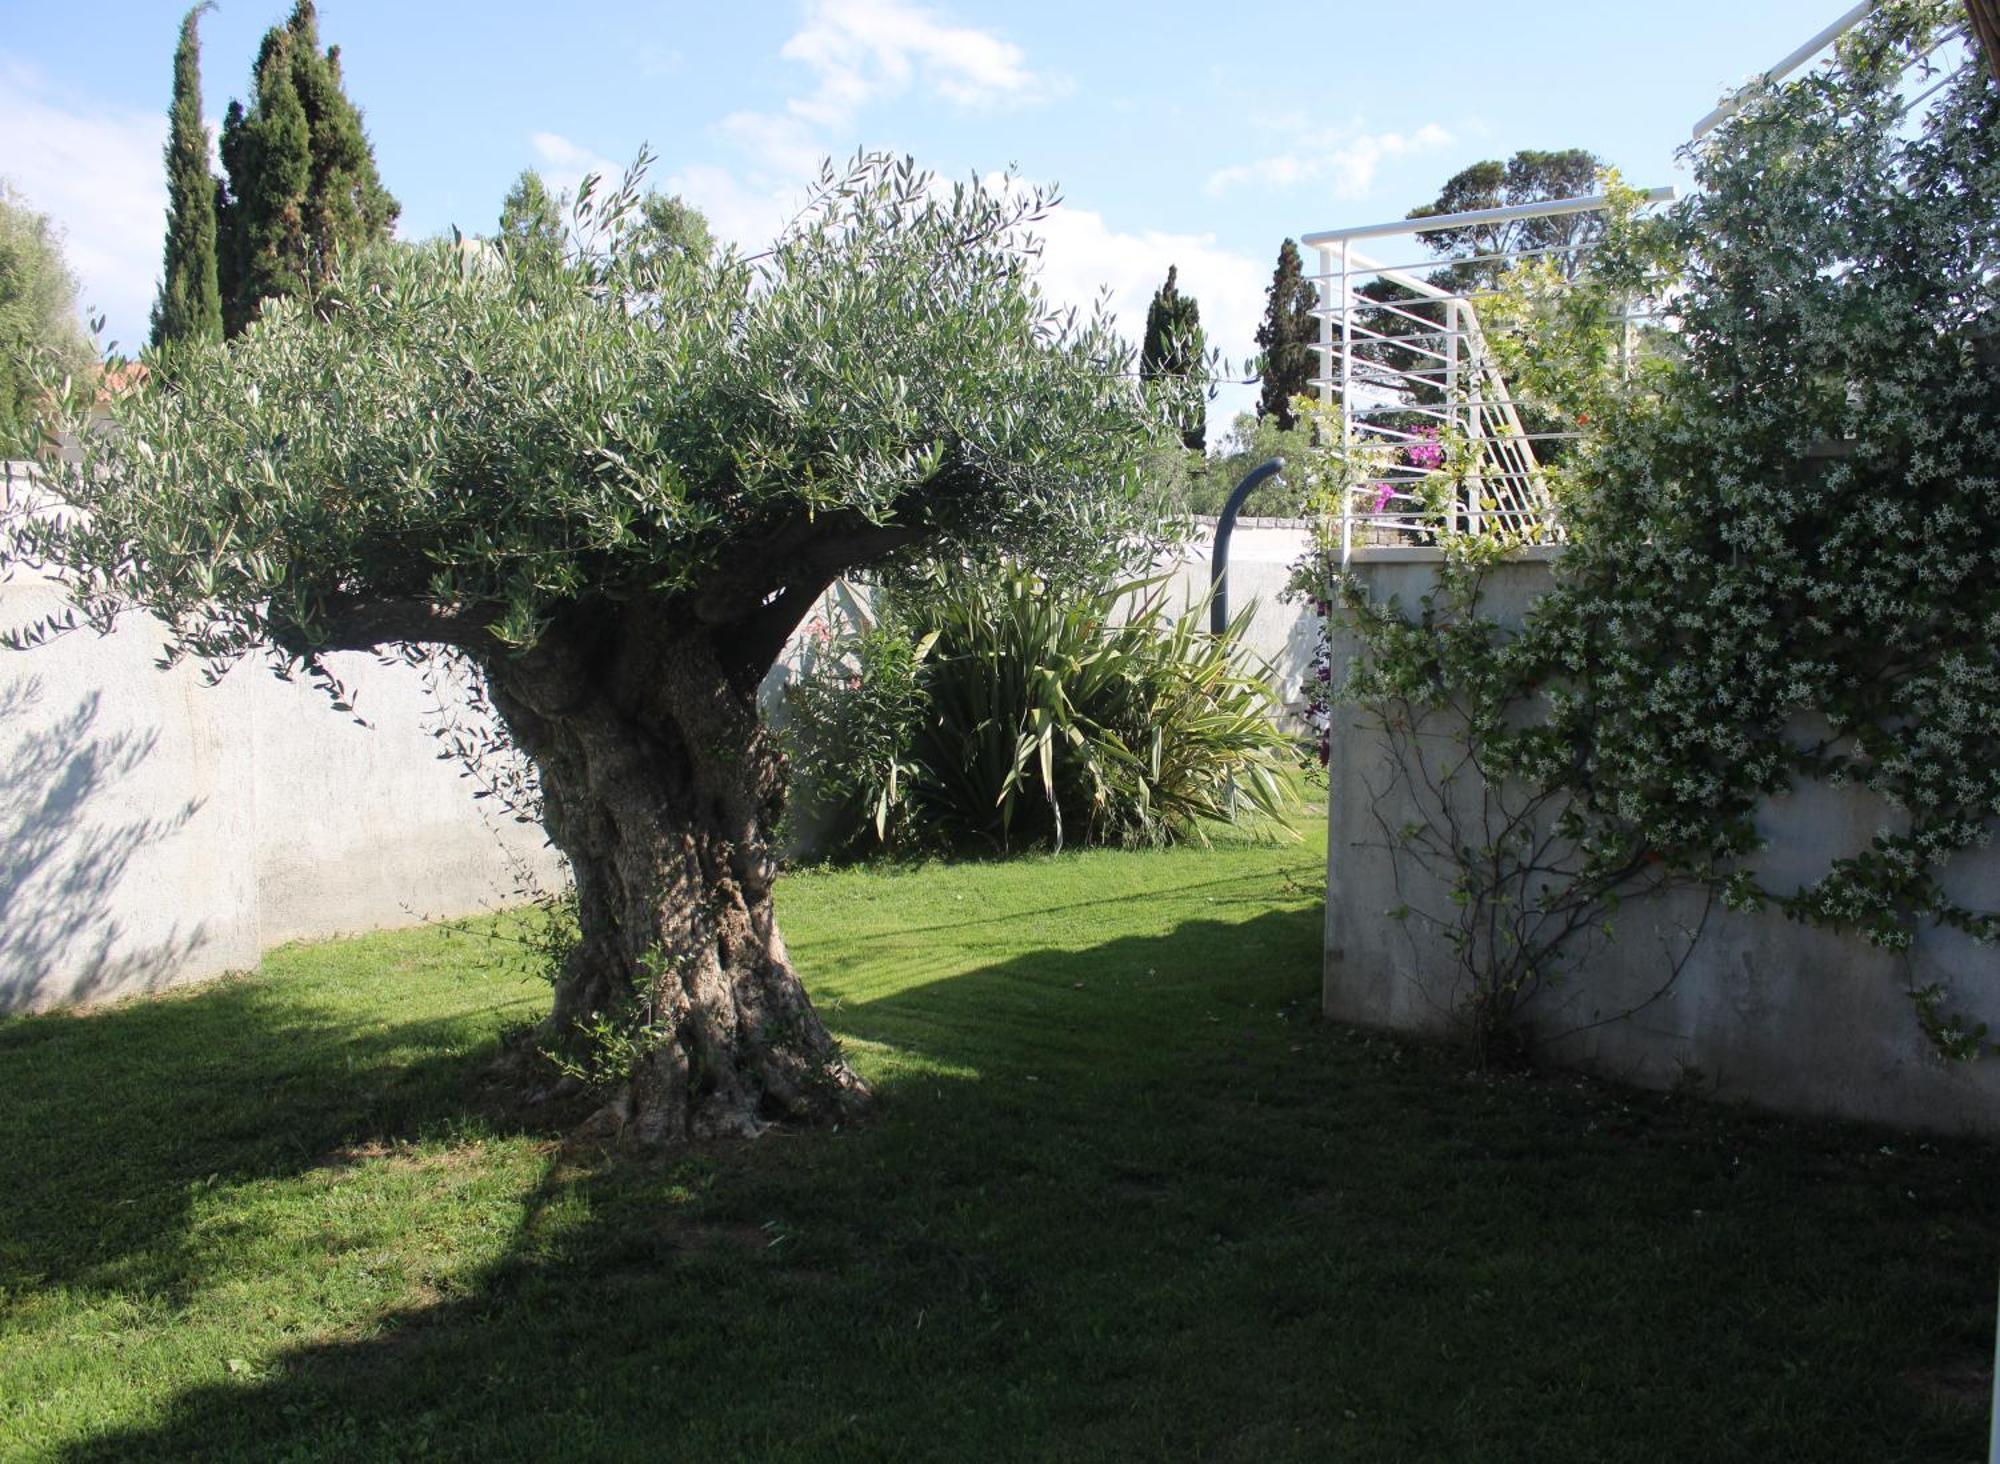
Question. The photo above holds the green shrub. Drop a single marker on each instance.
(1006, 712)
(850, 722)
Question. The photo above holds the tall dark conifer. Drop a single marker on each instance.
(302, 180)
(1287, 337)
(190, 304)
(1173, 347)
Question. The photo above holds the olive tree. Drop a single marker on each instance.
(616, 480)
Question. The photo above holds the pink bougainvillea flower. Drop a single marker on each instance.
(1426, 453)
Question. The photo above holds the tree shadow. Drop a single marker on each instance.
(1131, 1201)
(66, 844)
(115, 1119)
(691, 1273)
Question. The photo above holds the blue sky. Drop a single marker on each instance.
(1196, 136)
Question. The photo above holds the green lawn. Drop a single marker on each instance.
(1127, 1198)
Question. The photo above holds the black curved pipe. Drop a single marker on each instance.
(1218, 563)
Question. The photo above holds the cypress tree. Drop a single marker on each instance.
(1173, 347)
(346, 201)
(190, 304)
(267, 151)
(302, 180)
(1287, 337)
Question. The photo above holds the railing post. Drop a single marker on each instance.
(1477, 434)
(1346, 412)
(1452, 326)
(1993, 1448)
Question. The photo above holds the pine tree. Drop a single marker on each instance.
(1287, 337)
(1173, 347)
(670, 227)
(302, 181)
(190, 303)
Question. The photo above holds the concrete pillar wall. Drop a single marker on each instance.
(1764, 1010)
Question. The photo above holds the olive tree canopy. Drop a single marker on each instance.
(617, 479)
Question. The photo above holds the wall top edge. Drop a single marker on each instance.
(1253, 521)
(1432, 554)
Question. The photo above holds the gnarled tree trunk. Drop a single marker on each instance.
(663, 788)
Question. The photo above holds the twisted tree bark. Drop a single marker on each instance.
(663, 788)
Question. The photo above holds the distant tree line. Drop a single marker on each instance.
(40, 337)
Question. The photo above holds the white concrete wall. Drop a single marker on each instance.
(1262, 552)
(1770, 1011)
(155, 830)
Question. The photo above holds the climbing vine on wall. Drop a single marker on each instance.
(1784, 534)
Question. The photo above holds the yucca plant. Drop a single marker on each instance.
(1057, 715)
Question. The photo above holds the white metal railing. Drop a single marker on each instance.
(1410, 367)
(1403, 352)
(1955, 42)
(1726, 108)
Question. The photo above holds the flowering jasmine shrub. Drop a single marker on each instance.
(1784, 551)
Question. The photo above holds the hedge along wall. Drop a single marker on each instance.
(1755, 1006)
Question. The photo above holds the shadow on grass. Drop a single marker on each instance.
(1136, 1201)
(121, 1116)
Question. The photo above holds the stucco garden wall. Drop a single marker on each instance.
(155, 830)
(1765, 1009)
(1262, 552)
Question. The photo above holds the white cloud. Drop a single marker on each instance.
(1344, 158)
(99, 175)
(746, 216)
(861, 50)
(1084, 255)
(780, 142)
(857, 52)
(564, 164)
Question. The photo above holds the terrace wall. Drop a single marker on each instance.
(1765, 1009)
